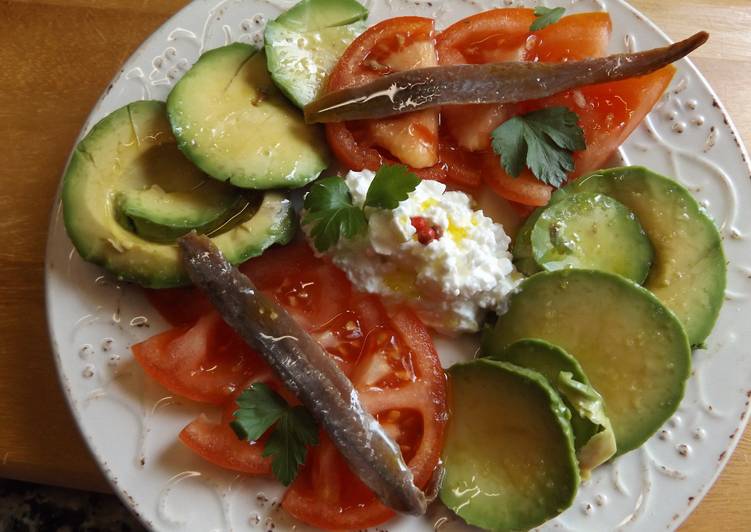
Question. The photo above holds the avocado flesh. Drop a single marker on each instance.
(187, 204)
(518, 469)
(591, 231)
(118, 156)
(304, 44)
(689, 271)
(567, 377)
(231, 121)
(631, 347)
(524, 259)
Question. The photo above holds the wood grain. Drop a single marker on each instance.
(56, 58)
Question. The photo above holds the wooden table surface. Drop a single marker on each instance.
(56, 58)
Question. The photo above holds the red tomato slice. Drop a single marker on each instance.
(217, 443)
(608, 113)
(393, 45)
(206, 362)
(401, 382)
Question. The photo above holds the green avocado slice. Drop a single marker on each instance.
(632, 348)
(304, 44)
(518, 469)
(689, 270)
(121, 154)
(232, 122)
(163, 216)
(591, 231)
(563, 372)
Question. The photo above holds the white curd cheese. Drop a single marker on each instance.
(451, 281)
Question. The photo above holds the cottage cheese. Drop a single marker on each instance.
(450, 282)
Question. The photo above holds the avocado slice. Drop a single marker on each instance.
(632, 348)
(304, 44)
(133, 149)
(566, 376)
(689, 271)
(523, 256)
(163, 216)
(234, 124)
(591, 231)
(518, 469)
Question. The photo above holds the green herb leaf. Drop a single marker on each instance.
(391, 185)
(288, 444)
(545, 16)
(331, 213)
(260, 408)
(544, 140)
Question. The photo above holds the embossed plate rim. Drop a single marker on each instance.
(140, 57)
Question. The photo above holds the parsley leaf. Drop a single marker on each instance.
(330, 211)
(260, 408)
(391, 185)
(543, 140)
(288, 443)
(545, 16)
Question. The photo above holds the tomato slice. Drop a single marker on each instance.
(217, 443)
(401, 382)
(205, 362)
(608, 113)
(393, 45)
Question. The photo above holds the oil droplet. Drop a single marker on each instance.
(113, 360)
(107, 344)
(88, 371)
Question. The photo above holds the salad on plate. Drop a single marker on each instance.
(310, 216)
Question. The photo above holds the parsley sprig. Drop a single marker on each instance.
(294, 430)
(545, 16)
(332, 215)
(543, 141)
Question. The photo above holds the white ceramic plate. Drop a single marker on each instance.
(131, 423)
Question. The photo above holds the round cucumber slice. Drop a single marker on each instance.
(233, 123)
(509, 453)
(689, 269)
(632, 348)
(591, 231)
(118, 157)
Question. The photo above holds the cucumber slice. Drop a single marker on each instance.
(304, 44)
(518, 469)
(633, 349)
(591, 231)
(689, 270)
(233, 123)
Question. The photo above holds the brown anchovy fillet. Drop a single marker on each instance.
(412, 90)
(308, 371)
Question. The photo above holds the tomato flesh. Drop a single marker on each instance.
(400, 381)
(393, 45)
(389, 356)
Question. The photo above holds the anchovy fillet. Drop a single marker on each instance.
(308, 371)
(509, 82)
